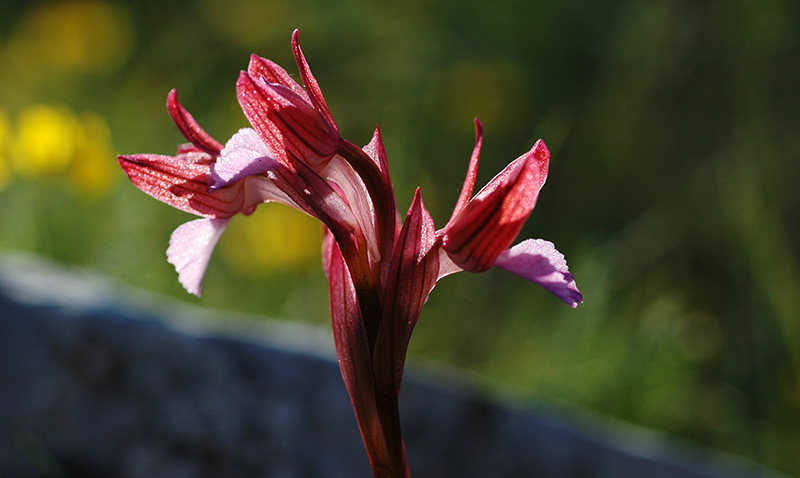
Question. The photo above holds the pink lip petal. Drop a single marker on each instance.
(245, 154)
(190, 248)
(538, 261)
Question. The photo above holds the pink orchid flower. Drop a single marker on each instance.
(380, 271)
(182, 182)
(481, 229)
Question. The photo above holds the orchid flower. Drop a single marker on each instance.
(380, 270)
(182, 182)
(481, 229)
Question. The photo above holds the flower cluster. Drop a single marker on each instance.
(380, 269)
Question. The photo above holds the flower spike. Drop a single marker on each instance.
(380, 270)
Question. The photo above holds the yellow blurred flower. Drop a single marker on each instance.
(274, 238)
(44, 144)
(73, 36)
(51, 142)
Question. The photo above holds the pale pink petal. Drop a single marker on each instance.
(538, 261)
(261, 189)
(245, 154)
(446, 265)
(190, 248)
(351, 186)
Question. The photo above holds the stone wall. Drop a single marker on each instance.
(97, 381)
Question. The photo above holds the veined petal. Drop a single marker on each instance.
(317, 197)
(369, 165)
(190, 248)
(349, 332)
(491, 221)
(472, 172)
(189, 127)
(271, 72)
(312, 87)
(412, 275)
(538, 261)
(181, 184)
(313, 195)
(385, 204)
(288, 124)
(245, 154)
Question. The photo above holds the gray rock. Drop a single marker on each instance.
(95, 381)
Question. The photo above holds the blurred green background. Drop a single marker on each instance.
(674, 128)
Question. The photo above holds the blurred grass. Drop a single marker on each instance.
(672, 192)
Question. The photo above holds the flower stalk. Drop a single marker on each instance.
(380, 270)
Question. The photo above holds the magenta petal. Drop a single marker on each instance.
(377, 152)
(245, 154)
(538, 261)
(182, 183)
(312, 87)
(490, 221)
(271, 72)
(189, 127)
(472, 171)
(190, 248)
(289, 124)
